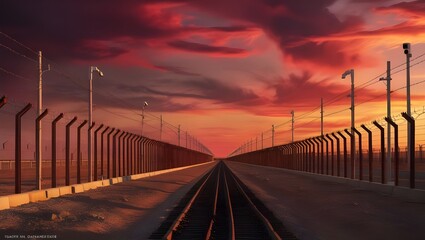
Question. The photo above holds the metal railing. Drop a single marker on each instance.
(328, 154)
(126, 154)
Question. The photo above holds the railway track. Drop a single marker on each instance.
(220, 206)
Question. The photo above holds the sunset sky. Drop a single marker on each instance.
(225, 70)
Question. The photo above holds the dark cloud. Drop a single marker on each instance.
(203, 48)
(177, 70)
(200, 88)
(293, 24)
(63, 28)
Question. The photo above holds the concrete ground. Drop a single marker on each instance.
(320, 209)
(129, 210)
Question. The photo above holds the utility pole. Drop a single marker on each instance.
(160, 129)
(273, 135)
(256, 143)
(407, 52)
(321, 117)
(186, 139)
(352, 141)
(179, 134)
(39, 147)
(388, 80)
(292, 113)
(262, 140)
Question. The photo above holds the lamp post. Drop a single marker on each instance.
(90, 138)
(407, 52)
(352, 141)
(39, 148)
(388, 80)
(145, 104)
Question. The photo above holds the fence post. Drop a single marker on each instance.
(352, 154)
(360, 153)
(59, 117)
(395, 126)
(369, 134)
(332, 153)
(383, 177)
(102, 152)
(125, 154)
(327, 154)
(90, 157)
(317, 162)
(67, 151)
(108, 155)
(38, 160)
(411, 120)
(344, 140)
(120, 157)
(18, 138)
(114, 153)
(95, 151)
(79, 160)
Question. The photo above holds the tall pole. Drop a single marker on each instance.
(353, 142)
(89, 135)
(406, 47)
(292, 113)
(39, 147)
(321, 117)
(90, 126)
(145, 104)
(388, 80)
(143, 118)
(273, 135)
(262, 140)
(179, 134)
(160, 129)
(352, 138)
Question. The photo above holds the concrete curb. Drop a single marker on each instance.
(404, 193)
(4, 203)
(15, 200)
(38, 195)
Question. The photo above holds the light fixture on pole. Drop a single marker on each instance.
(407, 52)
(353, 143)
(388, 81)
(39, 148)
(90, 138)
(145, 104)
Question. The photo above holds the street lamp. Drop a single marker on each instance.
(145, 104)
(90, 138)
(39, 149)
(353, 143)
(407, 52)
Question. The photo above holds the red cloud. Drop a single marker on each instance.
(203, 48)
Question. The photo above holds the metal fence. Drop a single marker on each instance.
(332, 154)
(116, 153)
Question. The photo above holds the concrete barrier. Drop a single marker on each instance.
(106, 182)
(4, 203)
(38, 195)
(77, 188)
(18, 199)
(92, 185)
(53, 192)
(15, 200)
(65, 190)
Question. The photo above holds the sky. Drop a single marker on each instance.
(226, 71)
